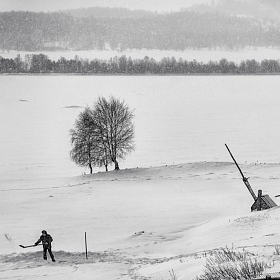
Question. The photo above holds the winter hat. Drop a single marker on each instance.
(44, 231)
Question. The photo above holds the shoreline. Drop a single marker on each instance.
(137, 75)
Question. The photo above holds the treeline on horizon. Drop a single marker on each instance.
(30, 31)
(127, 66)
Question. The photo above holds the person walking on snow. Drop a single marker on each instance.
(46, 240)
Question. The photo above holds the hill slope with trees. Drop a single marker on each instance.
(29, 31)
(265, 10)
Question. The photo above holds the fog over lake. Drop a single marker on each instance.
(178, 119)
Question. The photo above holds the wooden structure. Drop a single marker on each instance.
(261, 202)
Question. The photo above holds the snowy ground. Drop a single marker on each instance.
(140, 223)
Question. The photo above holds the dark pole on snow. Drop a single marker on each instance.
(245, 180)
(86, 244)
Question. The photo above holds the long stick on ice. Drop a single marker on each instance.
(29, 246)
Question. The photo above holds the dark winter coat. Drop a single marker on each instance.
(45, 239)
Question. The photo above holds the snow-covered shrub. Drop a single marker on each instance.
(227, 264)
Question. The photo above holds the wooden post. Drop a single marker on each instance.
(259, 205)
(86, 244)
(245, 180)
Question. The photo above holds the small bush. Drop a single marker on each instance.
(277, 250)
(173, 275)
(227, 264)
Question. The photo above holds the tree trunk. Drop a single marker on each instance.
(106, 167)
(117, 165)
(90, 168)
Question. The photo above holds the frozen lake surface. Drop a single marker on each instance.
(177, 119)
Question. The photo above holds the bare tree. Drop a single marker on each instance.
(102, 134)
(114, 121)
(87, 150)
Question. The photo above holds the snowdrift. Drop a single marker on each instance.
(140, 223)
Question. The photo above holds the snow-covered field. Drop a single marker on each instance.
(177, 196)
(140, 222)
(199, 55)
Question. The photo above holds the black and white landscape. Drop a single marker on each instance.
(178, 201)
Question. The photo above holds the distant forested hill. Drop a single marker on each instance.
(100, 12)
(266, 10)
(173, 31)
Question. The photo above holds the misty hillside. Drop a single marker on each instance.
(266, 10)
(29, 31)
(100, 12)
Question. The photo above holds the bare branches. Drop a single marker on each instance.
(87, 148)
(103, 134)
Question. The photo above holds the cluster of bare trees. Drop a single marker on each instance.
(102, 134)
(126, 65)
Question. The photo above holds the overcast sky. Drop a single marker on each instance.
(55, 5)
